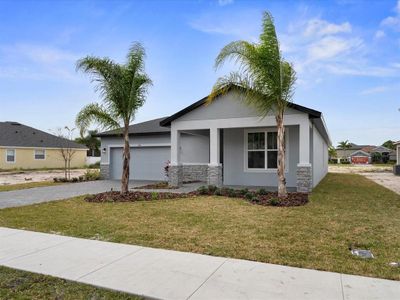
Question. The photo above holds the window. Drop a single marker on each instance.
(10, 155)
(262, 150)
(40, 154)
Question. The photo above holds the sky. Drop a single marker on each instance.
(346, 54)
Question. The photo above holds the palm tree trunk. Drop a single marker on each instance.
(126, 159)
(282, 192)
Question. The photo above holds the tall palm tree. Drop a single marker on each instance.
(123, 89)
(344, 145)
(265, 80)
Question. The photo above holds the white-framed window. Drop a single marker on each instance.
(10, 155)
(40, 154)
(261, 150)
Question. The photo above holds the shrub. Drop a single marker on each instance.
(212, 188)
(243, 191)
(249, 195)
(55, 179)
(262, 192)
(255, 199)
(345, 162)
(74, 179)
(218, 192)
(91, 175)
(203, 190)
(154, 196)
(274, 201)
(232, 193)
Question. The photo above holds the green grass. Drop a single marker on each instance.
(28, 185)
(345, 209)
(15, 284)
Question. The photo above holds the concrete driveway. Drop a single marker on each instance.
(388, 180)
(69, 190)
(59, 192)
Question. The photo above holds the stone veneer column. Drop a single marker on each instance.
(175, 175)
(304, 178)
(105, 171)
(214, 176)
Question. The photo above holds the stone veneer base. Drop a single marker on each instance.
(304, 179)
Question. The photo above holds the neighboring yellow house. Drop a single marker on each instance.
(24, 147)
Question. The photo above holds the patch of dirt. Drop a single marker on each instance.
(16, 177)
(357, 169)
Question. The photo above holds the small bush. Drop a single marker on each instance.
(74, 179)
(249, 195)
(55, 179)
(243, 191)
(212, 188)
(345, 162)
(203, 190)
(232, 193)
(255, 199)
(262, 192)
(154, 196)
(91, 175)
(218, 192)
(274, 201)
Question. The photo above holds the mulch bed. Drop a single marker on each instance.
(260, 197)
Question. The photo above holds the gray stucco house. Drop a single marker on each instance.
(223, 143)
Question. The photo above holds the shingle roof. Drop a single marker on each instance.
(14, 134)
(144, 128)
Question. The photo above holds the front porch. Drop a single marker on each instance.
(242, 152)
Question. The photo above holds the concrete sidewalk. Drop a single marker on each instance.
(165, 274)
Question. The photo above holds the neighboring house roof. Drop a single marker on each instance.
(144, 128)
(14, 134)
(368, 149)
(360, 153)
(396, 143)
(381, 149)
(355, 147)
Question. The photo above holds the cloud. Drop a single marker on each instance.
(393, 21)
(330, 47)
(238, 24)
(37, 62)
(319, 27)
(379, 34)
(224, 2)
(38, 53)
(374, 90)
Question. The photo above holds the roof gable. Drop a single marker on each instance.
(360, 153)
(202, 103)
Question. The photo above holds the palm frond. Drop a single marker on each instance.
(94, 113)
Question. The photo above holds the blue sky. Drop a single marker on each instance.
(346, 54)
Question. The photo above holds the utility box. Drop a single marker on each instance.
(396, 170)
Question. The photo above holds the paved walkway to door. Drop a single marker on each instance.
(166, 274)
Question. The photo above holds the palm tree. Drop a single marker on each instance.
(344, 145)
(91, 141)
(265, 80)
(123, 89)
(332, 152)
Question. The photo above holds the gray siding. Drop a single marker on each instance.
(230, 105)
(233, 169)
(319, 157)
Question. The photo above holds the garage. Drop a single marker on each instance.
(359, 160)
(147, 163)
(360, 157)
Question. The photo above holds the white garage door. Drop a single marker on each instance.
(147, 163)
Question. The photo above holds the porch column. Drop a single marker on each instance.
(214, 167)
(304, 167)
(175, 171)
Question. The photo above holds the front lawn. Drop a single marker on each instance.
(28, 185)
(344, 210)
(15, 284)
